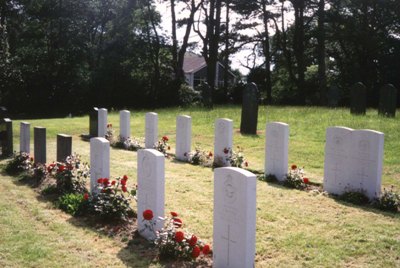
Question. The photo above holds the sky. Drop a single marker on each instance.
(238, 60)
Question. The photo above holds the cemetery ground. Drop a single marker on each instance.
(294, 228)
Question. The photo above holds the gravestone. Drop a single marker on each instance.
(3, 112)
(353, 161)
(94, 122)
(39, 145)
(6, 137)
(64, 147)
(276, 149)
(388, 100)
(102, 128)
(337, 155)
(222, 141)
(151, 131)
(333, 96)
(25, 137)
(248, 123)
(206, 94)
(234, 237)
(366, 159)
(151, 189)
(358, 94)
(183, 136)
(99, 161)
(124, 124)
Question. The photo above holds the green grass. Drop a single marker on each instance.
(294, 228)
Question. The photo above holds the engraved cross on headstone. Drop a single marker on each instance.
(229, 241)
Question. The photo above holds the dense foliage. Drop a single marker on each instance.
(66, 56)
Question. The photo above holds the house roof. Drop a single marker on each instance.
(193, 62)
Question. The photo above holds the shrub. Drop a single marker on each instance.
(74, 204)
(188, 96)
(112, 200)
(295, 178)
(70, 176)
(388, 201)
(19, 163)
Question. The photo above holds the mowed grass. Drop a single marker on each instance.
(294, 228)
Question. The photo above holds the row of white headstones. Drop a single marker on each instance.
(353, 161)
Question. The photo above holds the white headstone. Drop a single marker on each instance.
(151, 135)
(222, 140)
(234, 237)
(276, 149)
(99, 161)
(353, 161)
(366, 158)
(102, 128)
(151, 188)
(25, 137)
(183, 136)
(124, 124)
(337, 153)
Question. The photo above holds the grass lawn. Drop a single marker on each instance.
(294, 228)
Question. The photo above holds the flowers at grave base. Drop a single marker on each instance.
(112, 200)
(70, 175)
(162, 146)
(235, 158)
(177, 222)
(19, 163)
(174, 243)
(148, 215)
(110, 134)
(199, 157)
(295, 178)
(86, 196)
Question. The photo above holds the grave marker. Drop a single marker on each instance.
(358, 94)
(151, 135)
(64, 147)
(276, 150)
(222, 140)
(102, 123)
(234, 234)
(39, 140)
(25, 137)
(183, 136)
(94, 122)
(99, 161)
(388, 100)
(124, 124)
(151, 188)
(6, 137)
(248, 123)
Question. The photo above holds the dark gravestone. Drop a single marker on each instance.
(6, 137)
(388, 100)
(358, 95)
(64, 147)
(248, 124)
(3, 112)
(333, 96)
(94, 122)
(206, 94)
(39, 140)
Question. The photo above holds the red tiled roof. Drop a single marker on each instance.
(193, 62)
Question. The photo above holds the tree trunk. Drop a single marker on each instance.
(321, 53)
(226, 54)
(298, 47)
(267, 54)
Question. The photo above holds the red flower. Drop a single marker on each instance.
(148, 214)
(70, 167)
(226, 151)
(123, 182)
(61, 168)
(124, 189)
(246, 164)
(106, 181)
(31, 159)
(210, 154)
(177, 222)
(179, 236)
(165, 138)
(100, 180)
(103, 190)
(86, 196)
(174, 214)
(206, 249)
(113, 182)
(193, 241)
(195, 252)
(306, 180)
(125, 177)
(294, 167)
